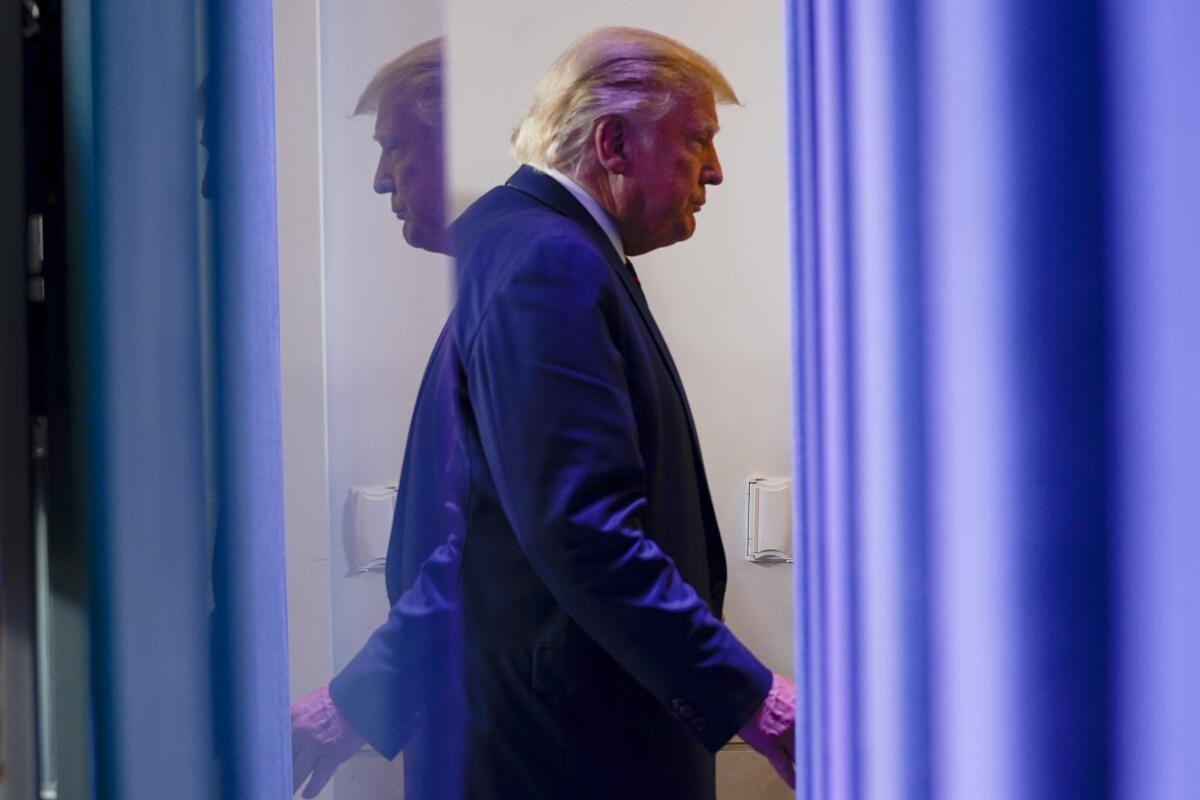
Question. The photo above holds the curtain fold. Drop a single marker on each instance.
(1154, 286)
(184, 431)
(250, 620)
(144, 471)
(992, 271)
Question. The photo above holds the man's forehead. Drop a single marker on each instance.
(702, 113)
(396, 115)
(704, 123)
(392, 121)
(383, 127)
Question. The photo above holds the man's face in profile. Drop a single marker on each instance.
(671, 162)
(410, 171)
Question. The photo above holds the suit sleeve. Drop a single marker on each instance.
(549, 388)
(404, 671)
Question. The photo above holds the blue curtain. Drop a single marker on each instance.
(145, 445)
(182, 392)
(993, 272)
(1153, 127)
(250, 633)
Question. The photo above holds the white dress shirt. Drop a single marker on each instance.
(587, 201)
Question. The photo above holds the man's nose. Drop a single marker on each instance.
(383, 177)
(713, 174)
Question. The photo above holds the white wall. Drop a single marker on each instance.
(721, 298)
(302, 341)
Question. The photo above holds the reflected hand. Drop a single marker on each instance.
(772, 729)
(321, 740)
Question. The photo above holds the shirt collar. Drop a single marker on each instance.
(587, 201)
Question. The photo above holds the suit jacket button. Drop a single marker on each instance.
(685, 710)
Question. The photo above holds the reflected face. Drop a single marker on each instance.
(410, 171)
(670, 164)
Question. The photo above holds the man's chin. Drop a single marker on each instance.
(424, 238)
(688, 228)
(414, 234)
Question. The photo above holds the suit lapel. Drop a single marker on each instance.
(716, 551)
(639, 300)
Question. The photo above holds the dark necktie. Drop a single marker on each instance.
(633, 272)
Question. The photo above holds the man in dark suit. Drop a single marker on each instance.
(595, 662)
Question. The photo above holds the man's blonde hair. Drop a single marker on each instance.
(627, 72)
(414, 77)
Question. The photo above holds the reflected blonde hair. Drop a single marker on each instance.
(413, 77)
(627, 72)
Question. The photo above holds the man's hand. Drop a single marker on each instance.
(321, 740)
(772, 729)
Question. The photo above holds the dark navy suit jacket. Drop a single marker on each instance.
(592, 575)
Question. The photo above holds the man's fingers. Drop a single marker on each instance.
(321, 775)
(302, 764)
(782, 762)
(788, 772)
(784, 758)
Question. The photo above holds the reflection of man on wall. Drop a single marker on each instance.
(395, 692)
(406, 96)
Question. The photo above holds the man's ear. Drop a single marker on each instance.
(610, 142)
